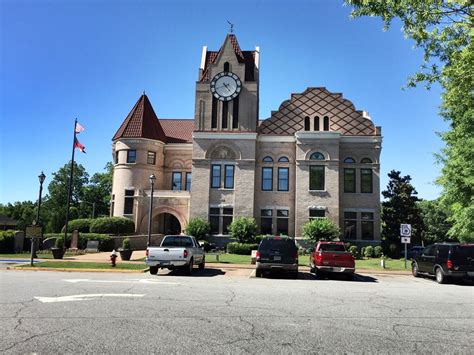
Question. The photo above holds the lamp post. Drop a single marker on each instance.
(41, 178)
(152, 182)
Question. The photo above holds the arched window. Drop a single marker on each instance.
(349, 160)
(226, 66)
(326, 123)
(317, 156)
(306, 123)
(316, 123)
(366, 161)
(283, 160)
(267, 159)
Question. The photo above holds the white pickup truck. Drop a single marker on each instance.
(176, 252)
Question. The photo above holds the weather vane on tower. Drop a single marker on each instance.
(231, 26)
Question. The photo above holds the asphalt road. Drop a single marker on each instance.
(212, 312)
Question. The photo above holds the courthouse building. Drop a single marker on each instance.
(316, 156)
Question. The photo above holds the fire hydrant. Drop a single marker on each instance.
(113, 257)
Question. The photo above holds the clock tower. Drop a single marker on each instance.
(225, 135)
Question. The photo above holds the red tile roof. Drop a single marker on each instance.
(141, 122)
(246, 57)
(178, 130)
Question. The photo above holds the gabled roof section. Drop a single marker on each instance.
(141, 122)
(246, 57)
(343, 116)
(178, 130)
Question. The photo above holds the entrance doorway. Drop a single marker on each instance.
(168, 224)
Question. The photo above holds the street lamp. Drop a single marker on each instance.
(152, 182)
(41, 178)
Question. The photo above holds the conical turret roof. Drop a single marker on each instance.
(141, 122)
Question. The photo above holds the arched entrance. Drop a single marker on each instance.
(166, 223)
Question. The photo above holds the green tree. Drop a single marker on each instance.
(435, 220)
(198, 228)
(443, 30)
(24, 212)
(98, 191)
(320, 229)
(400, 207)
(243, 229)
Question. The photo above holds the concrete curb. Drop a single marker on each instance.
(23, 268)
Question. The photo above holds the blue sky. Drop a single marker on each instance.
(92, 60)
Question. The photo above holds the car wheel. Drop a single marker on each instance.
(153, 270)
(440, 277)
(414, 270)
(258, 273)
(189, 267)
(203, 264)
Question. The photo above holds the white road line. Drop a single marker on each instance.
(142, 281)
(88, 297)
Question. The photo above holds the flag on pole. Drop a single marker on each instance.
(79, 146)
(79, 128)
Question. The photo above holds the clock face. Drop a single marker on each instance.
(225, 86)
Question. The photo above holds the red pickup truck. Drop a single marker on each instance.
(331, 257)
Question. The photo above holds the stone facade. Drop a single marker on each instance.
(316, 156)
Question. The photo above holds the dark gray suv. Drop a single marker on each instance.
(277, 254)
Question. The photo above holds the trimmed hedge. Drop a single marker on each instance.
(354, 251)
(377, 251)
(112, 225)
(369, 251)
(241, 248)
(82, 225)
(106, 243)
(7, 241)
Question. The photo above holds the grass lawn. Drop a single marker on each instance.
(228, 259)
(85, 265)
(390, 264)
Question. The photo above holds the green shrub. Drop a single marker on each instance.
(354, 251)
(377, 251)
(243, 229)
(369, 251)
(112, 225)
(362, 252)
(82, 225)
(241, 248)
(59, 243)
(320, 229)
(106, 243)
(7, 241)
(126, 244)
(198, 228)
(394, 251)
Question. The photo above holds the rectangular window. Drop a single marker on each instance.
(188, 181)
(225, 114)
(282, 222)
(350, 225)
(117, 157)
(314, 214)
(229, 177)
(283, 177)
(267, 179)
(214, 113)
(227, 216)
(220, 219)
(366, 180)
(235, 113)
(266, 225)
(316, 177)
(176, 183)
(216, 176)
(131, 156)
(151, 158)
(367, 224)
(112, 205)
(349, 180)
(128, 203)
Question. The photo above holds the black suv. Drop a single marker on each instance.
(445, 261)
(277, 254)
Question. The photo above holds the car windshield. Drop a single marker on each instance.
(331, 247)
(280, 245)
(463, 251)
(177, 242)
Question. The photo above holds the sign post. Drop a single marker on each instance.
(405, 234)
(33, 231)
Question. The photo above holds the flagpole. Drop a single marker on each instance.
(69, 191)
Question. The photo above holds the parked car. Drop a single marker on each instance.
(176, 252)
(445, 261)
(277, 254)
(331, 257)
(413, 251)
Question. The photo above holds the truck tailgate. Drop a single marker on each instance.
(335, 259)
(166, 254)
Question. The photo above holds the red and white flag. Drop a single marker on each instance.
(79, 128)
(79, 146)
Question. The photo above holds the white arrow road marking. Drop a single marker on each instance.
(89, 297)
(143, 281)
